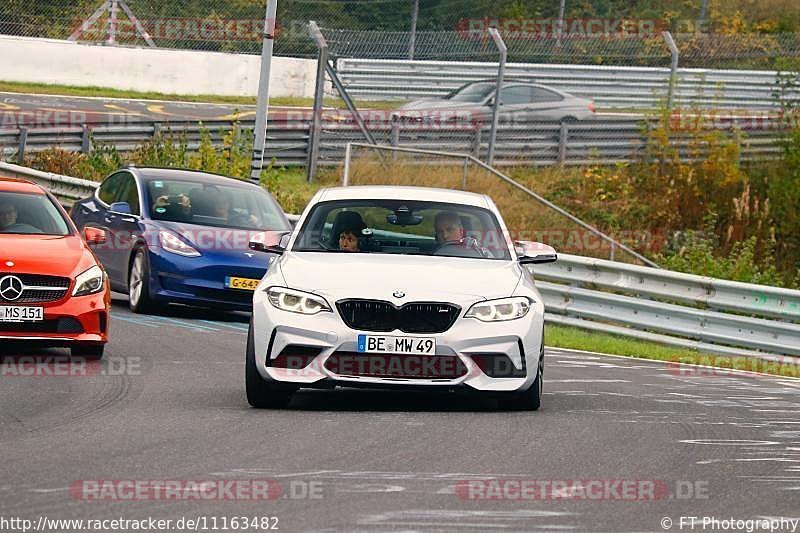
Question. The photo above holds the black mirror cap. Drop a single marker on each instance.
(538, 259)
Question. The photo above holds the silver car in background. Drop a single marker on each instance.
(520, 101)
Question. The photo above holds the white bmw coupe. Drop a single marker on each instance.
(398, 287)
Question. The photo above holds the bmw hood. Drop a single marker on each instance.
(420, 278)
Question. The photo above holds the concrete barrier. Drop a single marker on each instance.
(146, 69)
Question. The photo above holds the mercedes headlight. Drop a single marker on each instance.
(500, 310)
(294, 301)
(174, 244)
(89, 282)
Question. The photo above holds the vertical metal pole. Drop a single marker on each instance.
(561, 12)
(262, 107)
(501, 71)
(348, 152)
(673, 75)
(86, 140)
(412, 42)
(23, 143)
(316, 119)
(701, 21)
(466, 173)
(112, 22)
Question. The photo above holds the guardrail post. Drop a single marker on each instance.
(315, 131)
(23, 143)
(395, 131)
(563, 138)
(501, 71)
(156, 130)
(86, 140)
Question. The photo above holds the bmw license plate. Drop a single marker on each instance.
(10, 313)
(245, 284)
(390, 344)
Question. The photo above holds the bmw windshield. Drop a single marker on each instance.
(402, 228)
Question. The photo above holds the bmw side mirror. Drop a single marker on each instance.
(534, 253)
(265, 242)
(120, 208)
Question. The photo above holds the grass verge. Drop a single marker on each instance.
(107, 92)
(557, 336)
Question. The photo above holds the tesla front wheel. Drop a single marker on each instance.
(139, 299)
(261, 393)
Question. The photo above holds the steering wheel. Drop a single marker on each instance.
(468, 243)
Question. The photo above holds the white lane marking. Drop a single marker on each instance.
(730, 442)
(588, 381)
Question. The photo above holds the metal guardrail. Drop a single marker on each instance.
(707, 314)
(608, 86)
(604, 140)
(65, 188)
(719, 316)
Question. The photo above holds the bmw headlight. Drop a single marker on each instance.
(294, 301)
(89, 282)
(499, 310)
(174, 244)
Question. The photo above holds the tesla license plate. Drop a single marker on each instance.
(245, 284)
(21, 314)
(389, 344)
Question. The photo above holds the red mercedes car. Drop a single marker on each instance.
(53, 291)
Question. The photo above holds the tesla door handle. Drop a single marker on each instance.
(109, 219)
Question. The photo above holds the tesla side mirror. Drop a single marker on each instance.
(266, 242)
(94, 235)
(120, 208)
(534, 253)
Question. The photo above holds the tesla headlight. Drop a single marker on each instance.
(297, 301)
(89, 282)
(172, 243)
(499, 310)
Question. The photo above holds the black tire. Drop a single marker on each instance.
(263, 394)
(88, 351)
(139, 301)
(527, 400)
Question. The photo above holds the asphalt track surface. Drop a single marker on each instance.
(388, 461)
(52, 109)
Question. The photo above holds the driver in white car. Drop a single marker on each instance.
(448, 227)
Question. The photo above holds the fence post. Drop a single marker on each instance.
(466, 173)
(563, 139)
(503, 49)
(348, 153)
(23, 143)
(262, 107)
(315, 131)
(476, 143)
(395, 131)
(673, 74)
(412, 42)
(86, 140)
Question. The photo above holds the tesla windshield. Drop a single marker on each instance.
(33, 214)
(475, 92)
(402, 227)
(213, 205)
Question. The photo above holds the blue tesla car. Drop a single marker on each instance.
(181, 236)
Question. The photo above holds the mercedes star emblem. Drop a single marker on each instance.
(11, 288)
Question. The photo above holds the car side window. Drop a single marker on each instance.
(110, 188)
(128, 192)
(516, 95)
(543, 95)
